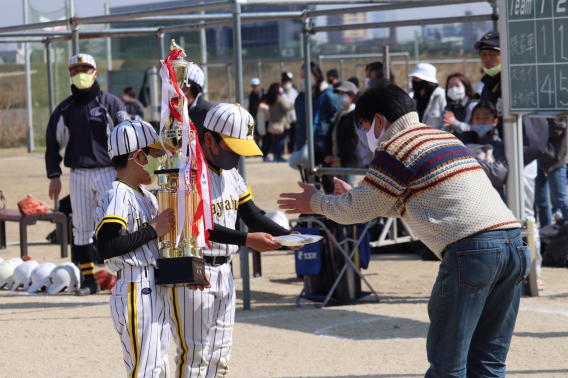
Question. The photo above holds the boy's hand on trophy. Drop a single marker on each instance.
(54, 188)
(164, 222)
(196, 287)
(261, 242)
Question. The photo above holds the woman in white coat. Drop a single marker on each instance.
(429, 98)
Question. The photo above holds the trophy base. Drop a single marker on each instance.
(180, 271)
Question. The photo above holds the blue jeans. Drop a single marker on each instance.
(474, 305)
(555, 181)
(278, 142)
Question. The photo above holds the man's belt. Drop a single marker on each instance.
(216, 260)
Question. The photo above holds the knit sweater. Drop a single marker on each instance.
(427, 177)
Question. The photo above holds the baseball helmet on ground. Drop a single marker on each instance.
(7, 274)
(65, 276)
(23, 275)
(40, 277)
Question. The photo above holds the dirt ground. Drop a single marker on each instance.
(67, 336)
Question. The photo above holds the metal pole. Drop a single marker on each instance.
(512, 135)
(407, 61)
(320, 62)
(48, 56)
(386, 63)
(27, 55)
(308, 96)
(55, 76)
(154, 98)
(161, 50)
(281, 68)
(465, 67)
(74, 30)
(238, 56)
(203, 44)
(416, 47)
(259, 73)
(108, 48)
(49, 76)
(341, 70)
(68, 15)
(495, 14)
(229, 88)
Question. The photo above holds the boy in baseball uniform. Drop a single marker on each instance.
(127, 229)
(202, 321)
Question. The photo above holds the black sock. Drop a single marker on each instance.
(86, 254)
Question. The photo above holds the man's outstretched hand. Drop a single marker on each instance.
(299, 203)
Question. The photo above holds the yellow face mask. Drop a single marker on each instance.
(493, 70)
(84, 80)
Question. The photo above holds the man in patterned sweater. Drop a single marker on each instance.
(428, 178)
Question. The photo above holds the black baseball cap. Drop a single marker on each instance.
(489, 41)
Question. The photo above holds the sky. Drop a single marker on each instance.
(12, 11)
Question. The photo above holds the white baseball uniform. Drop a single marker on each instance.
(139, 308)
(86, 190)
(202, 321)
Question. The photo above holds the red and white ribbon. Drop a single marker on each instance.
(191, 150)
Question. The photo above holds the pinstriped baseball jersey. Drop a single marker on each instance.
(228, 192)
(132, 208)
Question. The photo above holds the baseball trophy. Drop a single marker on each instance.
(183, 181)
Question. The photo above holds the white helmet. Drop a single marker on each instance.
(7, 274)
(279, 218)
(64, 276)
(16, 261)
(23, 274)
(40, 277)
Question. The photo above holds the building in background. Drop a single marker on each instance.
(347, 36)
(269, 39)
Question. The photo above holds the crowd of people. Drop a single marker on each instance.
(473, 116)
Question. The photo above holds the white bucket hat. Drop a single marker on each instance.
(23, 274)
(64, 276)
(426, 72)
(279, 218)
(40, 277)
(7, 274)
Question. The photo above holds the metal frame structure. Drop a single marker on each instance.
(235, 19)
(342, 248)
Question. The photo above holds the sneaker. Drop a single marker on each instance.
(88, 288)
(280, 160)
(539, 285)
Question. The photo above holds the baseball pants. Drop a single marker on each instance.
(87, 187)
(202, 325)
(139, 310)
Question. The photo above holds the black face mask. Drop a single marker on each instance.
(417, 86)
(225, 160)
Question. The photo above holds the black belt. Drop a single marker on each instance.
(216, 260)
(119, 273)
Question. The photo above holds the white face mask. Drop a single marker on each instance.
(287, 86)
(372, 140)
(456, 93)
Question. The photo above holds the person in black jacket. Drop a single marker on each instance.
(341, 140)
(193, 91)
(483, 134)
(552, 172)
(81, 124)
